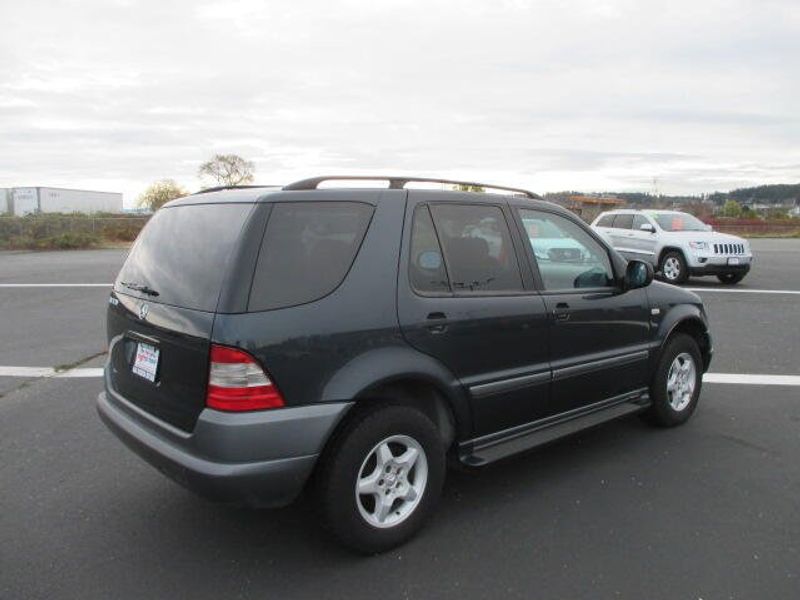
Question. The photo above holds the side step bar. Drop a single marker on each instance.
(494, 446)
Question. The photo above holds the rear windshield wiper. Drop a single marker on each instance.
(140, 288)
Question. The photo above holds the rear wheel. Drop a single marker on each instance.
(381, 477)
(673, 267)
(675, 388)
(731, 278)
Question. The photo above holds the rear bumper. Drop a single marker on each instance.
(257, 459)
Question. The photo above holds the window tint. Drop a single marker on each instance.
(182, 254)
(605, 221)
(307, 250)
(427, 264)
(477, 248)
(623, 221)
(638, 221)
(572, 259)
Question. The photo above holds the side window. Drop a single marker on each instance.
(426, 268)
(638, 221)
(307, 250)
(623, 221)
(567, 256)
(605, 221)
(477, 248)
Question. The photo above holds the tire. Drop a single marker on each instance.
(357, 456)
(673, 267)
(731, 278)
(674, 400)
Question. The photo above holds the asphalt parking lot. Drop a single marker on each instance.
(708, 510)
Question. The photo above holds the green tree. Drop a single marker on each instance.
(732, 209)
(227, 169)
(465, 187)
(159, 193)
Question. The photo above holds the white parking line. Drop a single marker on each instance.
(49, 372)
(726, 291)
(751, 379)
(56, 285)
(732, 378)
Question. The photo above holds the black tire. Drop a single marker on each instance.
(731, 278)
(662, 411)
(341, 467)
(675, 263)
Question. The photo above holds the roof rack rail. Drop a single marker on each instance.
(220, 188)
(399, 183)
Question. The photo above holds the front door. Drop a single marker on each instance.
(599, 336)
(465, 301)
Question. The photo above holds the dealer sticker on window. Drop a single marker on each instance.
(145, 364)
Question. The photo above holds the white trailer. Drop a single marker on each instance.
(51, 200)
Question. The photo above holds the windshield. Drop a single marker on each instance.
(181, 256)
(674, 221)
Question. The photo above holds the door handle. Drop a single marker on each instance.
(437, 326)
(561, 312)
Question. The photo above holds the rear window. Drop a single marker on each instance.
(182, 255)
(308, 249)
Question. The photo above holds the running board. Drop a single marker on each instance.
(492, 447)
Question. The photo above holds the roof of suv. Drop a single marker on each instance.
(249, 193)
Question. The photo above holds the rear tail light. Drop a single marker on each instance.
(236, 382)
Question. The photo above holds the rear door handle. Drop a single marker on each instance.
(437, 326)
(561, 312)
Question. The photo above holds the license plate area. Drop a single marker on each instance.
(733, 261)
(145, 361)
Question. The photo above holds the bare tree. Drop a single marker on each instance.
(227, 169)
(159, 193)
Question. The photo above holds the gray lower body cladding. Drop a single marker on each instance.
(260, 459)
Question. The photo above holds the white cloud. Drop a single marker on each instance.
(548, 95)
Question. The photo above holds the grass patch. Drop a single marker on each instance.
(68, 231)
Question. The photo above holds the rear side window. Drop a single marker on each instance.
(308, 249)
(427, 271)
(182, 255)
(623, 221)
(477, 248)
(605, 221)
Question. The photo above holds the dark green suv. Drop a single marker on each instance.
(266, 340)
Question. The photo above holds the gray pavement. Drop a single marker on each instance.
(708, 510)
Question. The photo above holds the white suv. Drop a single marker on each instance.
(676, 243)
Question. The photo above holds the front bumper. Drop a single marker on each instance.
(718, 269)
(258, 459)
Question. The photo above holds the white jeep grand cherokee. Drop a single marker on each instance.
(676, 243)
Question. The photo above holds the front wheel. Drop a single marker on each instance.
(673, 267)
(675, 389)
(731, 278)
(381, 477)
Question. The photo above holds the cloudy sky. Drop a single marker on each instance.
(550, 95)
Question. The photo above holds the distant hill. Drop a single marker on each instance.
(763, 194)
(782, 193)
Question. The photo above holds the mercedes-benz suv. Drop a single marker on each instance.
(347, 342)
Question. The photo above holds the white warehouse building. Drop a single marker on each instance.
(22, 201)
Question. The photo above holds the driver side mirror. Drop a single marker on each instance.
(647, 227)
(638, 274)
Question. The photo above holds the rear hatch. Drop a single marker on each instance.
(161, 311)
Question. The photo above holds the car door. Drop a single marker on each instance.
(599, 335)
(463, 299)
(642, 243)
(622, 234)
